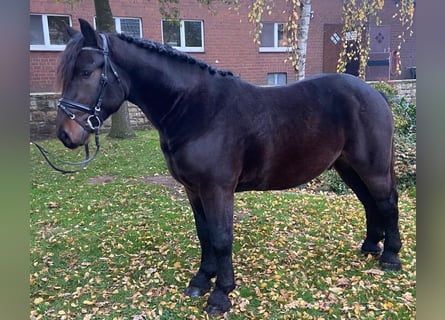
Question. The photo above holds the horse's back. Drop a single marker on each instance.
(295, 132)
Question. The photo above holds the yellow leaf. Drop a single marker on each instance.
(374, 271)
(336, 290)
(356, 308)
(38, 300)
(177, 265)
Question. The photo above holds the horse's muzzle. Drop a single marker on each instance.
(66, 139)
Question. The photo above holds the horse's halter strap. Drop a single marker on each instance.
(93, 122)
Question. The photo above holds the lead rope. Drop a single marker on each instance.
(81, 164)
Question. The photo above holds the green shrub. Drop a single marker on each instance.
(404, 112)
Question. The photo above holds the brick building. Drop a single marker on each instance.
(221, 36)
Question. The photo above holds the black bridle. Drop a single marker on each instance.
(93, 121)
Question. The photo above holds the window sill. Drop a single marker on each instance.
(46, 48)
(190, 49)
(275, 49)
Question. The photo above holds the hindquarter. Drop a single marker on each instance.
(369, 132)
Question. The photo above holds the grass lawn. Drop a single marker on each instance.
(108, 243)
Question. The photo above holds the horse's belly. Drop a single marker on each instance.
(285, 174)
(278, 182)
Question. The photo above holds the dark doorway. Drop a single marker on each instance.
(332, 45)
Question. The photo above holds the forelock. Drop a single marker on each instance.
(67, 61)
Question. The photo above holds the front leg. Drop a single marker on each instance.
(215, 231)
(200, 283)
(218, 208)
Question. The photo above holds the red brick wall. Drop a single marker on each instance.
(227, 36)
(42, 70)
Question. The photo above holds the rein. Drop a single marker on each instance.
(81, 164)
(93, 122)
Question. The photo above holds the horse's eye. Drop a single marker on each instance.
(86, 74)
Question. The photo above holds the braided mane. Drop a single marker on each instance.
(168, 51)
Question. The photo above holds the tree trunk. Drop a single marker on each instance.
(303, 31)
(120, 121)
(120, 124)
(104, 17)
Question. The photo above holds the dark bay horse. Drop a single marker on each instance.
(221, 135)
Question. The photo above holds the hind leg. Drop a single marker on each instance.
(374, 222)
(388, 207)
(381, 203)
(382, 187)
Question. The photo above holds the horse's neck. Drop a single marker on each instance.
(170, 92)
(158, 84)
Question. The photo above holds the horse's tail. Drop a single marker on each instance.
(393, 164)
(393, 152)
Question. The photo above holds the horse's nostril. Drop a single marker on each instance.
(63, 136)
(66, 140)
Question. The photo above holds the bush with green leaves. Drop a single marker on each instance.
(404, 111)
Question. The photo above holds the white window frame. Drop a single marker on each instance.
(276, 47)
(117, 23)
(47, 46)
(275, 78)
(183, 47)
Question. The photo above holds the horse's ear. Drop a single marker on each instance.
(88, 33)
(70, 31)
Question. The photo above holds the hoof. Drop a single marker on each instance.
(371, 248)
(390, 262)
(218, 303)
(195, 291)
(213, 310)
(374, 253)
(390, 266)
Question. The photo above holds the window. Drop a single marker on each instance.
(185, 35)
(276, 79)
(128, 26)
(274, 37)
(47, 32)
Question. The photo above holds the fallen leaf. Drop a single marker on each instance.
(374, 271)
(38, 300)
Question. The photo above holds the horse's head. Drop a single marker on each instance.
(91, 86)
